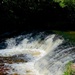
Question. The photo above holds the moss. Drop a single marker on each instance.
(69, 70)
(68, 35)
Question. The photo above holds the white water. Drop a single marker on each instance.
(38, 49)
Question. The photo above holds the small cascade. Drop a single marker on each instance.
(35, 54)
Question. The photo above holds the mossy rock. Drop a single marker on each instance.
(68, 35)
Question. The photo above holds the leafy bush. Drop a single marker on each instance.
(63, 3)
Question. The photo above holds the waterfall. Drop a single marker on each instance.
(53, 63)
(39, 54)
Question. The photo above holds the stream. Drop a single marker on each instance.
(35, 54)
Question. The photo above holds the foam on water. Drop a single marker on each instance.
(36, 47)
(22, 69)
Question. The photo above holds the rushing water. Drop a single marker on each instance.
(37, 54)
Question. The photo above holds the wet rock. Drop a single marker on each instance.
(3, 69)
(12, 59)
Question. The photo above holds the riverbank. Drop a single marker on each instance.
(68, 35)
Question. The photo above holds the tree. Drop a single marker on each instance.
(68, 3)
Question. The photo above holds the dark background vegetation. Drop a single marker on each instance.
(35, 14)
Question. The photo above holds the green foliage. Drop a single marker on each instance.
(63, 3)
(70, 35)
(20, 11)
(69, 70)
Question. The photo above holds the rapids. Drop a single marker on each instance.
(38, 54)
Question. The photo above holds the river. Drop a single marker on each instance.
(38, 53)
